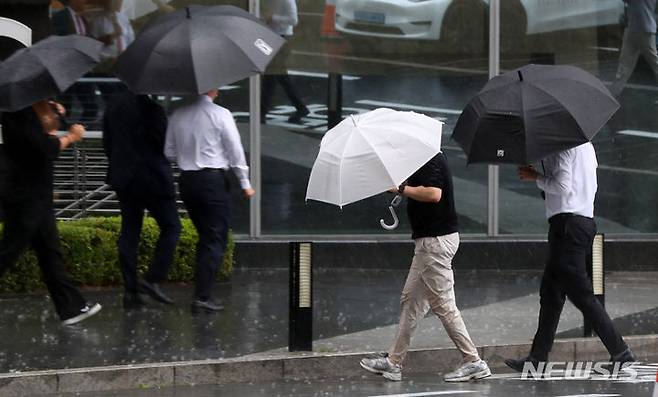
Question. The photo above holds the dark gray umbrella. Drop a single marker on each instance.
(46, 69)
(196, 49)
(529, 113)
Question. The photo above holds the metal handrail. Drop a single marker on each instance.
(82, 200)
(94, 206)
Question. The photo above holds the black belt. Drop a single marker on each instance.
(564, 215)
(220, 170)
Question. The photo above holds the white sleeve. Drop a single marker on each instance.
(288, 13)
(101, 26)
(233, 149)
(170, 144)
(559, 177)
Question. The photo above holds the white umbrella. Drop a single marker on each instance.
(368, 154)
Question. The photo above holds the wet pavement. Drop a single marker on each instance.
(354, 310)
(417, 385)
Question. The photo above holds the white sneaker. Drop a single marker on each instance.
(85, 313)
(381, 365)
(475, 370)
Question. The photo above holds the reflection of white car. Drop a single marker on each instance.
(434, 19)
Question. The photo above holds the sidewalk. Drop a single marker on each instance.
(354, 311)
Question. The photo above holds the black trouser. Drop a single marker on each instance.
(570, 240)
(269, 81)
(277, 71)
(206, 198)
(32, 223)
(163, 210)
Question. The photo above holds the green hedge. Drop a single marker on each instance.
(90, 254)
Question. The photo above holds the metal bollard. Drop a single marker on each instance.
(596, 273)
(300, 324)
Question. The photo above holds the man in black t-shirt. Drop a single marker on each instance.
(430, 283)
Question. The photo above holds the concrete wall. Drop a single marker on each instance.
(634, 255)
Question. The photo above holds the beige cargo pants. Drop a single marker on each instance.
(429, 286)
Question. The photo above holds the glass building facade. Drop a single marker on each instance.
(429, 56)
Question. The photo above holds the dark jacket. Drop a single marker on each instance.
(134, 129)
(30, 155)
(61, 23)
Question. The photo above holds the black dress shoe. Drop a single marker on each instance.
(206, 306)
(518, 364)
(626, 356)
(619, 360)
(154, 291)
(297, 116)
(132, 300)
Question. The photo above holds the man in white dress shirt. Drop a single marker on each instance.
(281, 16)
(568, 179)
(203, 139)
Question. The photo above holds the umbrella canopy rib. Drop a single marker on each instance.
(383, 163)
(584, 86)
(565, 106)
(232, 42)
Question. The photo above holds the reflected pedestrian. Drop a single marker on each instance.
(568, 180)
(281, 16)
(134, 130)
(70, 20)
(430, 283)
(113, 28)
(31, 146)
(639, 39)
(204, 140)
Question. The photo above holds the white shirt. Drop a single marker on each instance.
(569, 181)
(284, 16)
(204, 135)
(78, 22)
(103, 25)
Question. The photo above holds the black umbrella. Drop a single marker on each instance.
(196, 49)
(527, 114)
(46, 69)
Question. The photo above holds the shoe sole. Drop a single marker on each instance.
(387, 375)
(198, 310)
(80, 317)
(479, 375)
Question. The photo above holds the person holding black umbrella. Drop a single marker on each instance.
(568, 180)
(204, 140)
(31, 144)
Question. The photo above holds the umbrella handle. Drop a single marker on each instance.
(396, 221)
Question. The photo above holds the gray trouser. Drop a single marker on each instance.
(429, 286)
(634, 45)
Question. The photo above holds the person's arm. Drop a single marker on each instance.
(76, 131)
(170, 144)
(234, 151)
(156, 123)
(425, 194)
(102, 30)
(430, 183)
(288, 15)
(559, 180)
